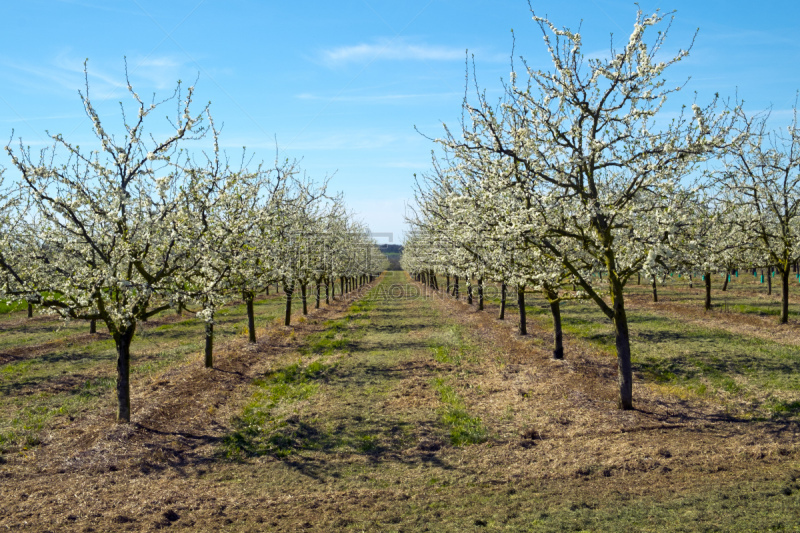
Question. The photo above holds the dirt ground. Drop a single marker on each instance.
(371, 449)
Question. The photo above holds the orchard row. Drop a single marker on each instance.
(581, 178)
(142, 224)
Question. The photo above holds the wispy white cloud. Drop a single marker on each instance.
(44, 78)
(160, 72)
(390, 49)
(99, 79)
(65, 73)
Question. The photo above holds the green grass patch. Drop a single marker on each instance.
(326, 346)
(755, 310)
(362, 307)
(258, 431)
(784, 408)
(447, 354)
(464, 429)
(11, 307)
(332, 339)
(18, 368)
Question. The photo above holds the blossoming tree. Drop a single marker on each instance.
(115, 230)
(592, 159)
(762, 175)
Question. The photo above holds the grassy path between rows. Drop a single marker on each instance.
(400, 412)
(52, 371)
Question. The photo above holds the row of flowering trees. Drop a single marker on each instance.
(575, 182)
(140, 224)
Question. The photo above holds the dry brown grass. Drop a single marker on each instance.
(93, 474)
(576, 427)
(555, 436)
(761, 327)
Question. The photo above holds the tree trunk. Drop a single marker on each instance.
(480, 294)
(725, 282)
(769, 281)
(319, 296)
(638, 278)
(209, 345)
(523, 320)
(303, 289)
(327, 293)
(93, 326)
(691, 282)
(621, 335)
(267, 291)
(251, 316)
(623, 343)
(341, 283)
(655, 290)
(455, 288)
(785, 296)
(469, 290)
(558, 337)
(707, 278)
(502, 301)
(122, 341)
(30, 310)
(447, 277)
(288, 290)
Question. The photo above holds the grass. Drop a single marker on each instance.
(745, 294)
(755, 310)
(70, 375)
(446, 354)
(464, 429)
(690, 361)
(264, 427)
(258, 431)
(12, 307)
(22, 430)
(431, 417)
(332, 339)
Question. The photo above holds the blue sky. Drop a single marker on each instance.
(343, 84)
